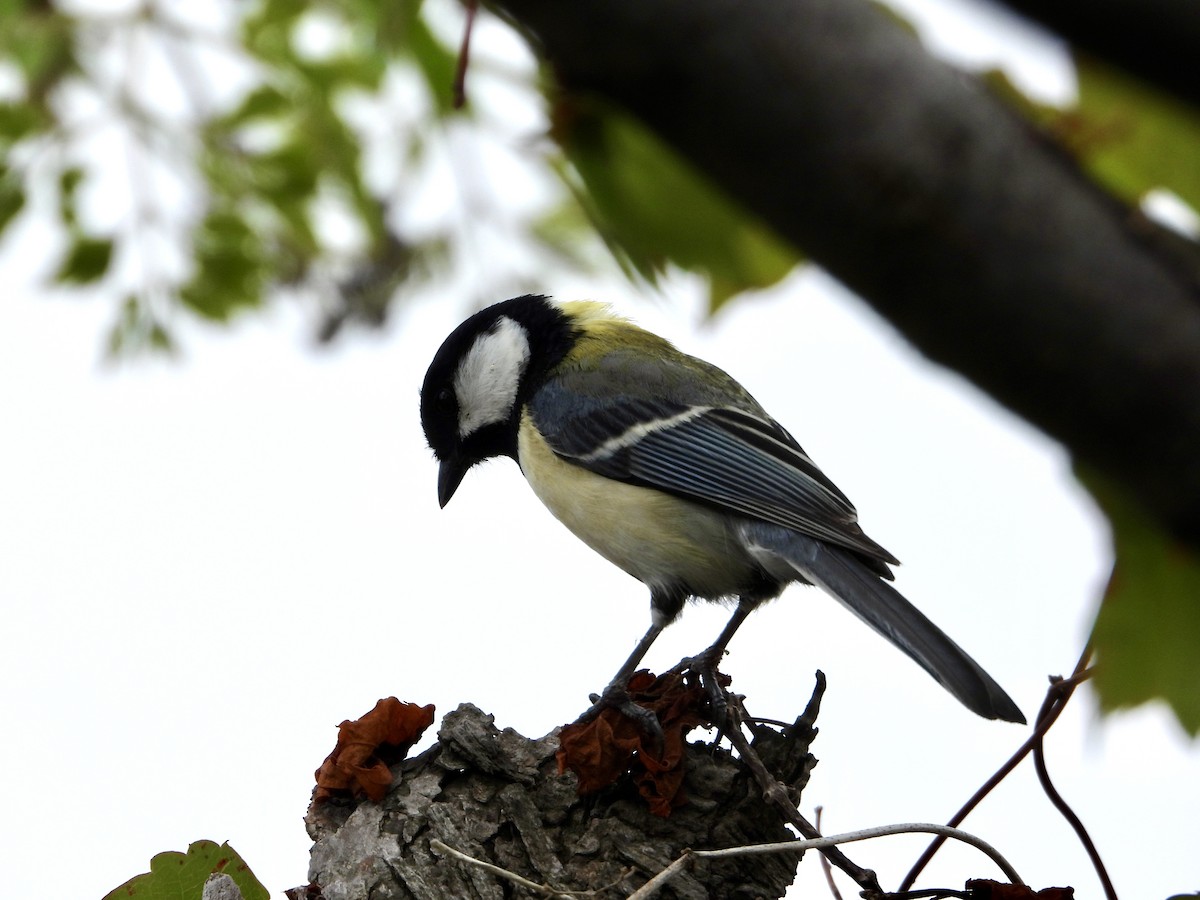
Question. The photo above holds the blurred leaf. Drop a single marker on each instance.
(342, 72)
(137, 330)
(69, 180)
(267, 30)
(653, 208)
(1132, 137)
(287, 179)
(12, 199)
(559, 230)
(1148, 627)
(19, 119)
(389, 23)
(40, 42)
(231, 269)
(264, 102)
(181, 876)
(436, 64)
(86, 260)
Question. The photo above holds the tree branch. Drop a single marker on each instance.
(917, 188)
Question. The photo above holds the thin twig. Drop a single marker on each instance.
(542, 889)
(867, 834)
(825, 867)
(651, 887)
(1056, 700)
(775, 793)
(1039, 764)
(464, 56)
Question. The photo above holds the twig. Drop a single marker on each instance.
(1039, 764)
(825, 867)
(542, 889)
(1056, 700)
(464, 56)
(651, 887)
(775, 793)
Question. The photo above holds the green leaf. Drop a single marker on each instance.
(137, 330)
(340, 72)
(389, 23)
(40, 41)
(86, 260)
(1134, 138)
(1148, 629)
(286, 174)
(231, 269)
(69, 180)
(181, 876)
(436, 64)
(266, 102)
(12, 199)
(18, 120)
(653, 208)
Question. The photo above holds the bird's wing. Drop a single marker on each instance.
(687, 442)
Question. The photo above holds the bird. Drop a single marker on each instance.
(668, 468)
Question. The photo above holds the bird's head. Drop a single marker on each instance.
(472, 396)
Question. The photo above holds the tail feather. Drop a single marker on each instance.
(883, 608)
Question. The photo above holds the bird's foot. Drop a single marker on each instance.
(616, 696)
(704, 664)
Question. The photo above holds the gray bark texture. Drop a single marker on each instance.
(498, 797)
(979, 239)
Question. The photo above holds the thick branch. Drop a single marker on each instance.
(919, 190)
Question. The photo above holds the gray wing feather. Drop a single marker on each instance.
(720, 450)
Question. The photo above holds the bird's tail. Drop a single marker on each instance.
(883, 608)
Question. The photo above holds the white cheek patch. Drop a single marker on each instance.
(489, 374)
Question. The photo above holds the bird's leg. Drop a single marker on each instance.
(706, 662)
(616, 695)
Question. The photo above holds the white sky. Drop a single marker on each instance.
(209, 563)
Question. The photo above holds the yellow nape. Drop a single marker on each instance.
(597, 322)
(584, 311)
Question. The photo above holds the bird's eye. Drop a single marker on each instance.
(444, 398)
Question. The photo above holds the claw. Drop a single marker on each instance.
(616, 696)
(704, 665)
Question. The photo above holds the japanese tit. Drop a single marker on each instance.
(668, 468)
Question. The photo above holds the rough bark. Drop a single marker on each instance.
(497, 796)
(922, 192)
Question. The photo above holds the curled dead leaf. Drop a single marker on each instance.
(366, 747)
(602, 750)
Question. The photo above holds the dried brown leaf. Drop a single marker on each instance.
(366, 747)
(601, 751)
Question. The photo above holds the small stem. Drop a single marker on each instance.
(776, 794)
(464, 56)
(542, 889)
(1057, 696)
(825, 867)
(651, 887)
(1043, 774)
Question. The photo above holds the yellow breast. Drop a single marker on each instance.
(657, 538)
